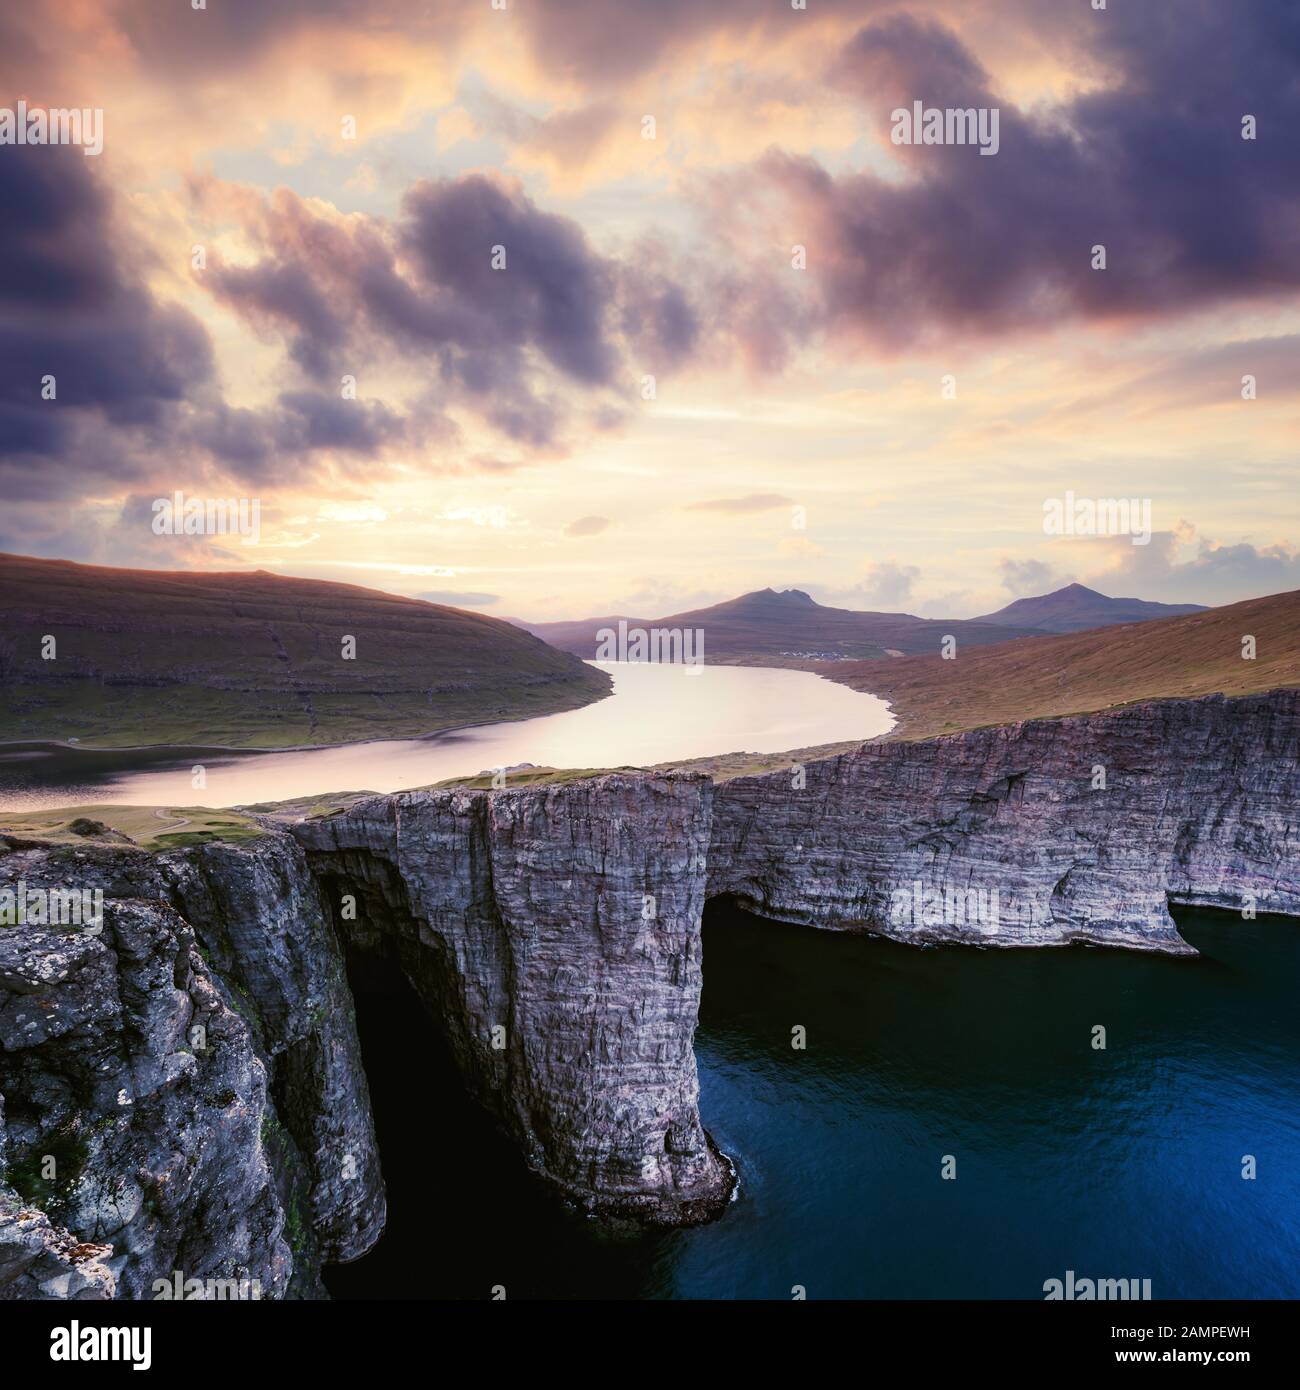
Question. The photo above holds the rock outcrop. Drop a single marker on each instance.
(184, 1084)
(193, 1069)
(136, 1100)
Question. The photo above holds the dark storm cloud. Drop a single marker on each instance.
(130, 360)
(71, 309)
(554, 292)
(133, 380)
(312, 420)
(53, 251)
(506, 302)
(1153, 167)
(658, 316)
(254, 443)
(324, 284)
(278, 293)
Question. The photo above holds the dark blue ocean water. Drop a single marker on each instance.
(1123, 1163)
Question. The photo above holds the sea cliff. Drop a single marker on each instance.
(192, 1067)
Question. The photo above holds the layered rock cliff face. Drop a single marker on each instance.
(556, 934)
(1044, 833)
(194, 1071)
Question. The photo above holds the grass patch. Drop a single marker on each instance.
(142, 827)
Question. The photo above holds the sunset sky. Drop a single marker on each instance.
(500, 453)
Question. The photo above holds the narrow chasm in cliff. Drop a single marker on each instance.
(432, 1138)
(446, 1162)
(453, 1178)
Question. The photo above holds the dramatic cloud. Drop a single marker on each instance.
(509, 304)
(1189, 212)
(494, 293)
(92, 368)
(110, 385)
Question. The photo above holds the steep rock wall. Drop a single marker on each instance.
(136, 1112)
(1200, 803)
(146, 1141)
(555, 933)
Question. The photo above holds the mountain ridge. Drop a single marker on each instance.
(774, 624)
(784, 623)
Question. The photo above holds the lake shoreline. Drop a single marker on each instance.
(649, 718)
(180, 749)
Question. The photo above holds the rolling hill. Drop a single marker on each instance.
(1074, 673)
(255, 660)
(770, 625)
(1076, 608)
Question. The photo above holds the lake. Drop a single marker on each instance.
(1123, 1163)
(656, 713)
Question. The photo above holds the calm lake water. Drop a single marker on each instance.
(656, 713)
(1117, 1164)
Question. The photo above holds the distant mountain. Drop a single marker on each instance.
(1075, 608)
(789, 623)
(256, 660)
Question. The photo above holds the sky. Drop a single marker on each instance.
(551, 308)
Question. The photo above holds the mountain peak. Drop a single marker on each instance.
(773, 599)
(1076, 607)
